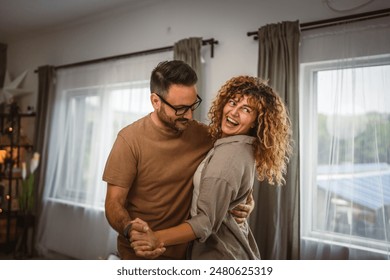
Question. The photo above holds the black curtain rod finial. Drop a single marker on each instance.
(253, 33)
(211, 42)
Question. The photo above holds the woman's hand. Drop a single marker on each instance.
(144, 241)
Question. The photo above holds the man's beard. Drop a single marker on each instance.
(178, 125)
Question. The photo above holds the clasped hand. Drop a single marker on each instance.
(146, 244)
(144, 241)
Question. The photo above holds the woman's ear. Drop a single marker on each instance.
(155, 101)
(253, 129)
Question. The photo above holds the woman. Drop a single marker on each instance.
(251, 132)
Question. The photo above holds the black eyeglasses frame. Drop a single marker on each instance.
(192, 107)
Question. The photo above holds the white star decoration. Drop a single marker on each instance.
(11, 88)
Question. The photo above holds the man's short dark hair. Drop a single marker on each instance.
(174, 72)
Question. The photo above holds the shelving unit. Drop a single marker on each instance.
(12, 146)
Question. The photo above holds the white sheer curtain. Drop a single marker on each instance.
(92, 103)
(345, 147)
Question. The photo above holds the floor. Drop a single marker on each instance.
(10, 256)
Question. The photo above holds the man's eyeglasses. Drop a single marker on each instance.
(181, 110)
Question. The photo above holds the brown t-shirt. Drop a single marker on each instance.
(157, 167)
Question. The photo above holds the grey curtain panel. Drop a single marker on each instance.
(276, 216)
(46, 87)
(189, 51)
(3, 62)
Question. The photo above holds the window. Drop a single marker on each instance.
(345, 152)
(120, 105)
(92, 104)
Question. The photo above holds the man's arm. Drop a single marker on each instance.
(116, 213)
(120, 220)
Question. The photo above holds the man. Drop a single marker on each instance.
(149, 170)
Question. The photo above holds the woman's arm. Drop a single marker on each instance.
(215, 197)
(140, 231)
(145, 241)
(182, 233)
(212, 208)
(151, 244)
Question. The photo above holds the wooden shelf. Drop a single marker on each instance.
(21, 115)
(10, 181)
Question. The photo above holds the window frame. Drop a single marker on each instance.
(308, 154)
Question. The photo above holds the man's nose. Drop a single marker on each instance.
(188, 114)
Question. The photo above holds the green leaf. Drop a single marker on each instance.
(26, 198)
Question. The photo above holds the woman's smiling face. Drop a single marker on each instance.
(238, 116)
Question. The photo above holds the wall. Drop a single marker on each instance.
(152, 26)
(158, 25)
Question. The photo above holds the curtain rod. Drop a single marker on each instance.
(338, 20)
(210, 42)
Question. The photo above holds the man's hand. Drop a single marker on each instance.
(143, 240)
(242, 211)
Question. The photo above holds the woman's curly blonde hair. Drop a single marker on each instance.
(272, 147)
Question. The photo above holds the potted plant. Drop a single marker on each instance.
(26, 218)
(26, 197)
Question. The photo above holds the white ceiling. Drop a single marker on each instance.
(19, 17)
